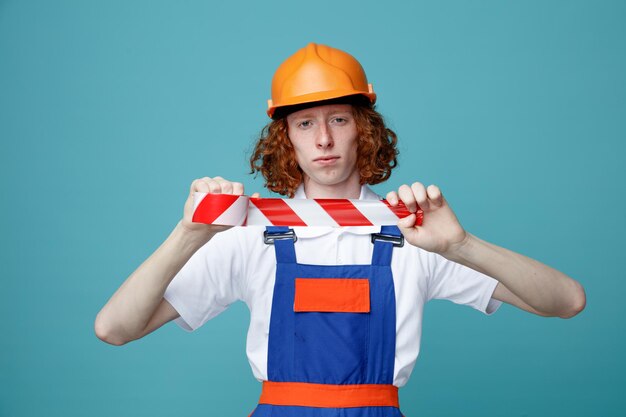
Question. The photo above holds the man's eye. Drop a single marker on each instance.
(340, 120)
(305, 123)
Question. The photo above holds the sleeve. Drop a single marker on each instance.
(460, 284)
(208, 283)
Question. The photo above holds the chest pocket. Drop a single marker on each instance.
(331, 329)
(332, 295)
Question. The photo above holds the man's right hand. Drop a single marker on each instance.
(215, 185)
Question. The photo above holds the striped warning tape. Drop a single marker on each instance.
(234, 210)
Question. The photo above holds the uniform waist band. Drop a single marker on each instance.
(305, 394)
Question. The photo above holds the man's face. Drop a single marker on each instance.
(325, 142)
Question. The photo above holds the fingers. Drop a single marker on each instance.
(414, 197)
(225, 187)
(199, 185)
(420, 195)
(417, 197)
(237, 188)
(434, 195)
(392, 198)
(407, 197)
(216, 185)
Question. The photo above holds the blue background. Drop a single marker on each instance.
(108, 110)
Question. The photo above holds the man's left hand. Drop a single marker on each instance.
(440, 231)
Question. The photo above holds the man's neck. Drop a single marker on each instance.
(349, 189)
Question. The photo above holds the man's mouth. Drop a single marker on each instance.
(327, 158)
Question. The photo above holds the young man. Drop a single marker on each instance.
(336, 316)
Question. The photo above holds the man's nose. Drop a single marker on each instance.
(325, 137)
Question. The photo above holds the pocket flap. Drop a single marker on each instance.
(341, 295)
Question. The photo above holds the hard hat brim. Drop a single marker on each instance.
(315, 97)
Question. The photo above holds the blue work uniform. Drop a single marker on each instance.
(347, 354)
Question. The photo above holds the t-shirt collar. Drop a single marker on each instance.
(366, 193)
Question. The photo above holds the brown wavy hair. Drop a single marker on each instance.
(274, 156)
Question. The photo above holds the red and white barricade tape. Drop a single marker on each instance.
(234, 210)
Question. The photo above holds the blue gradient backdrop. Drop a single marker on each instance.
(108, 110)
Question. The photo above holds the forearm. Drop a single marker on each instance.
(127, 313)
(540, 286)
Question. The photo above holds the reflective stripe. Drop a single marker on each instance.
(329, 396)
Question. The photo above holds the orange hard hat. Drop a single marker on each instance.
(317, 73)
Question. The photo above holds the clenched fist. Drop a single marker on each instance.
(215, 185)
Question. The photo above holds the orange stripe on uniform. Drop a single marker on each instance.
(341, 295)
(305, 394)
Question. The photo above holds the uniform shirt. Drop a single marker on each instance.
(238, 265)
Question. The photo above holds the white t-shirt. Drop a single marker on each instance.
(238, 265)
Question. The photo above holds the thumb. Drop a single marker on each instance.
(408, 229)
(407, 222)
(255, 195)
